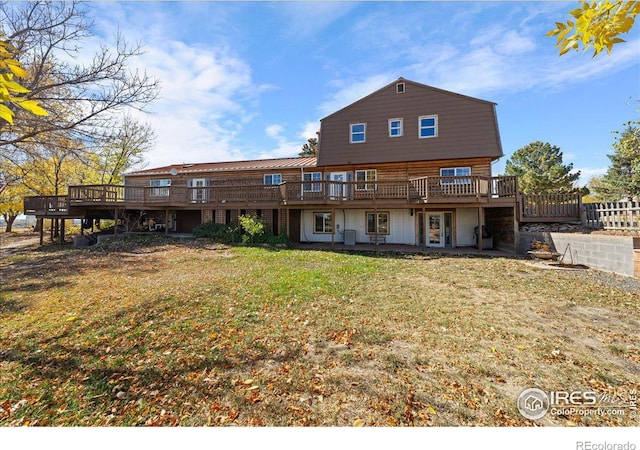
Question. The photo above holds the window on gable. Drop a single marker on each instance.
(323, 222)
(427, 127)
(399, 88)
(365, 180)
(160, 187)
(358, 133)
(378, 223)
(395, 127)
(312, 176)
(273, 178)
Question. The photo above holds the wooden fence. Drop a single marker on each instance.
(612, 215)
(550, 208)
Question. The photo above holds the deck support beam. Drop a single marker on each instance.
(41, 227)
(62, 231)
(480, 226)
(333, 226)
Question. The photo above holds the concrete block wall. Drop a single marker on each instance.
(598, 251)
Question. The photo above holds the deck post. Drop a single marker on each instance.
(333, 226)
(61, 231)
(41, 225)
(166, 221)
(115, 227)
(51, 231)
(480, 226)
(424, 228)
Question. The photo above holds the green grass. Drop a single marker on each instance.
(189, 333)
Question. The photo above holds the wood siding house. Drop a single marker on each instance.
(407, 164)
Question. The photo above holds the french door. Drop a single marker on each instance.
(435, 230)
(338, 190)
(199, 193)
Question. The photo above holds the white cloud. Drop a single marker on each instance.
(274, 131)
(309, 130)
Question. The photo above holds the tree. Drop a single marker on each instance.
(540, 170)
(85, 99)
(622, 179)
(310, 148)
(10, 90)
(124, 151)
(597, 25)
(11, 196)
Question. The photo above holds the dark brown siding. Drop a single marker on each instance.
(467, 128)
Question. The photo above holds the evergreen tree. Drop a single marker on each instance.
(310, 148)
(540, 170)
(622, 179)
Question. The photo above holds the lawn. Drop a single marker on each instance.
(159, 332)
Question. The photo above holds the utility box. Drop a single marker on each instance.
(349, 237)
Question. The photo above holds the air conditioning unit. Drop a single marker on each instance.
(349, 237)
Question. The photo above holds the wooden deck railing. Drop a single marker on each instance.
(612, 215)
(346, 191)
(465, 186)
(417, 190)
(550, 208)
(46, 205)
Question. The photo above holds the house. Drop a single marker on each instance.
(408, 164)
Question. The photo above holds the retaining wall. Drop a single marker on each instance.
(609, 253)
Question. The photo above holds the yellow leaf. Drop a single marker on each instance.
(247, 382)
(33, 107)
(15, 87)
(358, 423)
(432, 411)
(6, 114)
(17, 70)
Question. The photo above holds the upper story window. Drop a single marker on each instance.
(312, 176)
(400, 88)
(395, 127)
(364, 176)
(357, 133)
(273, 178)
(160, 187)
(427, 127)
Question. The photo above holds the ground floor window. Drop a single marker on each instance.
(378, 223)
(323, 222)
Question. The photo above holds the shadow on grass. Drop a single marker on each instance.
(121, 352)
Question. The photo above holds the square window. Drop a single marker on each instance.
(358, 133)
(427, 126)
(395, 127)
(160, 187)
(365, 180)
(378, 223)
(274, 178)
(323, 222)
(312, 176)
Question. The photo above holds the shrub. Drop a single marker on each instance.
(252, 229)
(219, 232)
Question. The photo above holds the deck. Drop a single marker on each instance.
(353, 194)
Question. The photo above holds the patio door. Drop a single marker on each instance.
(338, 190)
(435, 230)
(199, 193)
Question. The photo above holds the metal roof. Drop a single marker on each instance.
(229, 166)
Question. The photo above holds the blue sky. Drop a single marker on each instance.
(252, 79)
